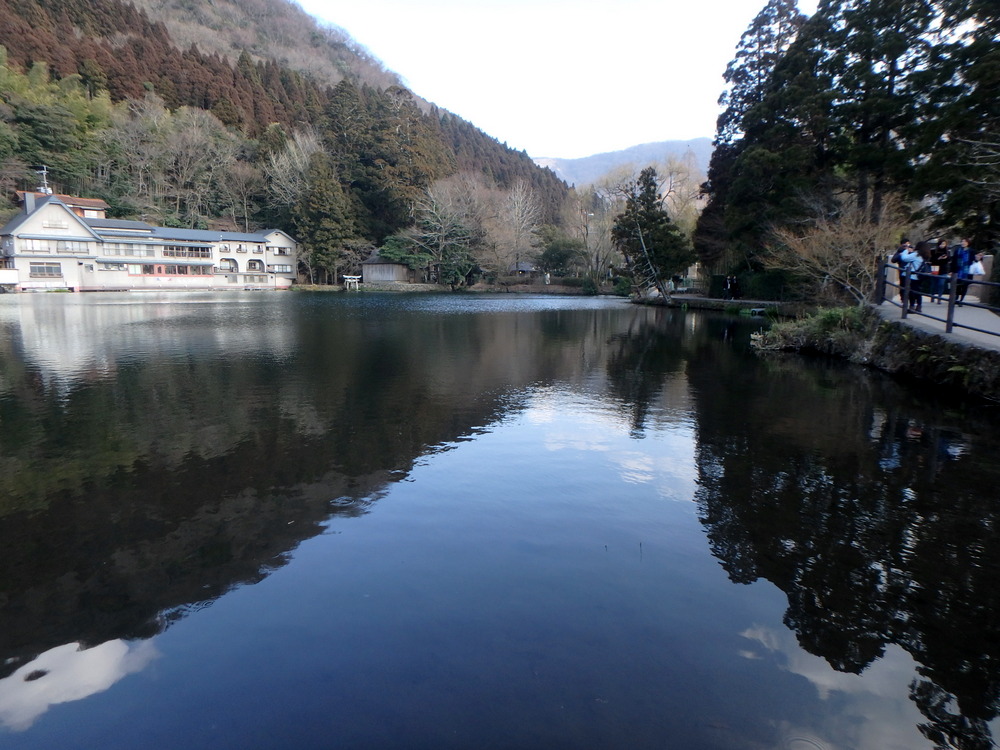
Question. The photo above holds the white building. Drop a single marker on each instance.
(62, 243)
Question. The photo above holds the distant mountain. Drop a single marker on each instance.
(589, 169)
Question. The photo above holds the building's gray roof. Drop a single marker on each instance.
(121, 228)
(272, 230)
(100, 224)
(12, 226)
(243, 237)
(205, 235)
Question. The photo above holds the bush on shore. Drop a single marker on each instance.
(860, 335)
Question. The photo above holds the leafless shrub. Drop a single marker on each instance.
(837, 254)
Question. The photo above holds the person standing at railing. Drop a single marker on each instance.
(940, 266)
(962, 257)
(904, 244)
(915, 262)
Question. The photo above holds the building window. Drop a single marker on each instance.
(45, 270)
(125, 248)
(282, 251)
(69, 246)
(113, 266)
(170, 269)
(227, 265)
(52, 224)
(36, 246)
(255, 279)
(255, 265)
(180, 251)
(281, 268)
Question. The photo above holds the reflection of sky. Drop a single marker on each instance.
(874, 712)
(576, 422)
(67, 673)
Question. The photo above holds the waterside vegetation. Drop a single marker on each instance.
(861, 336)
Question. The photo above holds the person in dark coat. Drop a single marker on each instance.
(941, 267)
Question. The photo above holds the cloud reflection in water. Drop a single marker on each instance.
(68, 673)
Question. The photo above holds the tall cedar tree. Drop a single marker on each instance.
(747, 76)
(871, 49)
(958, 113)
(644, 227)
(323, 221)
(831, 118)
(786, 155)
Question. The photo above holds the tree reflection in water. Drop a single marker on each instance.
(148, 486)
(874, 514)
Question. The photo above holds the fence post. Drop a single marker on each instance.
(952, 298)
(905, 290)
(880, 283)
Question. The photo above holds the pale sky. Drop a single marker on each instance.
(558, 78)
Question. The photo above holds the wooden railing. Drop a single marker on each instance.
(985, 292)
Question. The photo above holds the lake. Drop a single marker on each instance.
(281, 520)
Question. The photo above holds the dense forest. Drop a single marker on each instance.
(844, 129)
(335, 151)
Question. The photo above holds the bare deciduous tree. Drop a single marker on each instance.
(680, 185)
(288, 169)
(589, 215)
(519, 213)
(839, 254)
(238, 187)
(200, 149)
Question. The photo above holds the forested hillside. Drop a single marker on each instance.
(322, 142)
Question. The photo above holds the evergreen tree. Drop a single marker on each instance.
(322, 220)
(872, 48)
(784, 169)
(644, 231)
(957, 120)
(747, 77)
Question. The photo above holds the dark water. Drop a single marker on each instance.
(293, 521)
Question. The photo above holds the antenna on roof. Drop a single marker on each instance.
(44, 187)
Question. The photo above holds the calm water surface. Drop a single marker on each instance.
(293, 521)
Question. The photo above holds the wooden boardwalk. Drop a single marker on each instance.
(965, 315)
